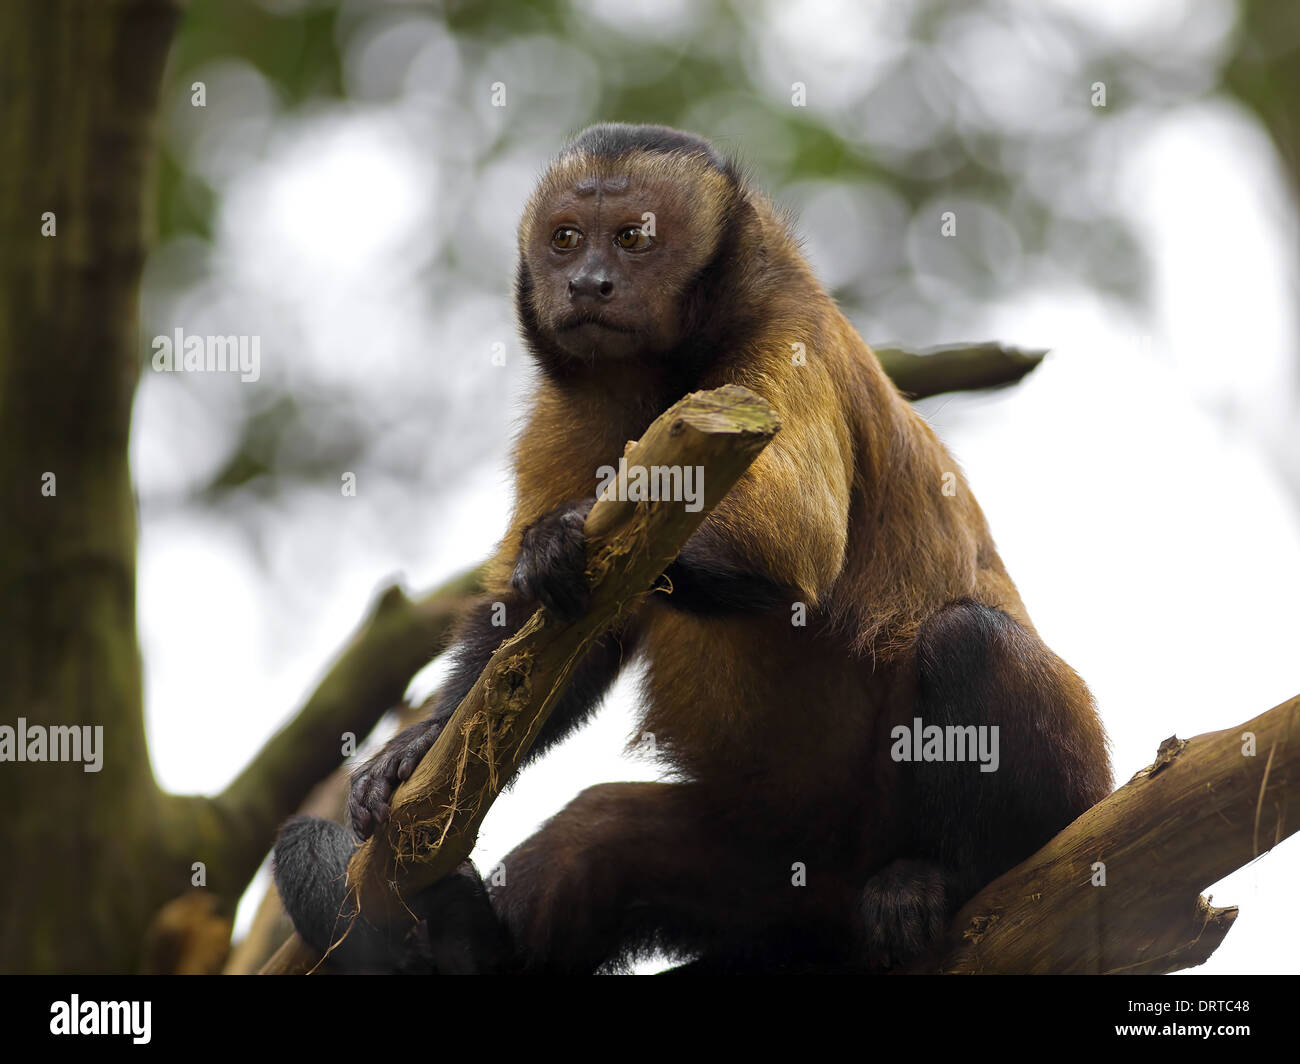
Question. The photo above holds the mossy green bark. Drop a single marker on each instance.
(78, 102)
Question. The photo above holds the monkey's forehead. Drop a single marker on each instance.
(577, 175)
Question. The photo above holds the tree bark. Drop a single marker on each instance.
(77, 121)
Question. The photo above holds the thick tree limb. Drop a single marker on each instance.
(962, 367)
(79, 94)
(1204, 809)
(437, 812)
(190, 935)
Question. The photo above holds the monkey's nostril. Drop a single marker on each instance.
(585, 286)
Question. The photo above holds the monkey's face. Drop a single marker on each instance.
(611, 251)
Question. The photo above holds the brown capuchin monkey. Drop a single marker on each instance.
(841, 785)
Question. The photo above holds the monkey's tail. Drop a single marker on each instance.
(309, 864)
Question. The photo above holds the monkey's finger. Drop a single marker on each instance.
(368, 804)
(375, 812)
(523, 582)
(381, 789)
(407, 765)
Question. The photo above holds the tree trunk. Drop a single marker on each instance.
(78, 103)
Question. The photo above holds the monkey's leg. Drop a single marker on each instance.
(1023, 754)
(631, 868)
(456, 931)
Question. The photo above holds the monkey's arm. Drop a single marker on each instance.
(549, 569)
(710, 576)
(781, 533)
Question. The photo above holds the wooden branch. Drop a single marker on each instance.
(394, 642)
(1205, 808)
(190, 935)
(961, 367)
(295, 957)
(437, 812)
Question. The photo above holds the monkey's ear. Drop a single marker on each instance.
(525, 311)
(742, 230)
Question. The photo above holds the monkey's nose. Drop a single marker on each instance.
(589, 287)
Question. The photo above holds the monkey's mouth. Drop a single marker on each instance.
(577, 321)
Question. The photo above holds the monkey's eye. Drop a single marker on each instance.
(566, 238)
(633, 238)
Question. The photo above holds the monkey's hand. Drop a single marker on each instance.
(904, 910)
(376, 780)
(552, 564)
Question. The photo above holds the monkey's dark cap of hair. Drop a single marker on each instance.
(613, 140)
